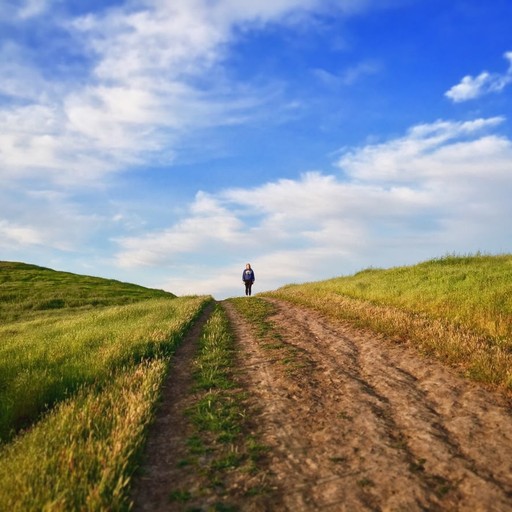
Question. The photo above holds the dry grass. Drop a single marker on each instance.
(81, 366)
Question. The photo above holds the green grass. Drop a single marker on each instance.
(43, 361)
(82, 380)
(28, 290)
(59, 331)
(474, 291)
(457, 308)
(81, 455)
(219, 448)
(256, 312)
(217, 412)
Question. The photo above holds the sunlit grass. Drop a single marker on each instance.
(43, 361)
(81, 366)
(80, 456)
(27, 291)
(102, 371)
(456, 308)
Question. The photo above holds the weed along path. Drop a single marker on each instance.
(338, 419)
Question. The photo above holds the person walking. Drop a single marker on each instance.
(248, 278)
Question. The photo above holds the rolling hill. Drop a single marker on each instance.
(26, 290)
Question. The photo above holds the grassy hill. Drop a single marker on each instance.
(82, 360)
(456, 308)
(27, 290)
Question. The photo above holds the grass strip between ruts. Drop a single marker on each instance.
(222, 457)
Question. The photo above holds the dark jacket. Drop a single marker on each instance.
(248, 275)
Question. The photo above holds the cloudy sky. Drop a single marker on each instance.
(169, 142)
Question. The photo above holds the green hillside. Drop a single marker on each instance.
(26, 290)
(82, 360)
(472, 290)
(60, 330)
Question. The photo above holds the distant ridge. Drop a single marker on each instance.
(26, 288)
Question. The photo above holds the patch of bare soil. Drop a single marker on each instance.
(185, 469)
(355, 422)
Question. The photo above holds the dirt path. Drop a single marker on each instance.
(363, 424)
(352, 422)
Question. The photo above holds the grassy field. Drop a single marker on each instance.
(457, 308)
(81, 455)
(82, 360)
(81, 377)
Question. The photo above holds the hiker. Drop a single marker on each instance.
(248, 278)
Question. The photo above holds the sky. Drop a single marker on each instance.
(169, 142)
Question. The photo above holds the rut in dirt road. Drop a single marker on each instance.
(364, 424)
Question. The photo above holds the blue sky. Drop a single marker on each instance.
(169, 142)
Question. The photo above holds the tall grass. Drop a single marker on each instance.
(80, 456)
(43, 361)
(81, 364)
(102, 371)
(458, 308)
(472, 290)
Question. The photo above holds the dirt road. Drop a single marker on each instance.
(354, 422)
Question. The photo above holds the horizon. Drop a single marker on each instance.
(169, 143)
(390, 268)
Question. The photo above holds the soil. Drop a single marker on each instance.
(353, 421)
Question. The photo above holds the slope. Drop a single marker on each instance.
(28, 290)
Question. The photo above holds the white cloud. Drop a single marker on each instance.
(32, 145)
(153, 78)
(45, 220)
(150, 74)
(23, 9)
(473, 87)
(440, 151)
(442, 187)
(18, 234)
(31, 8)
(209, 223)
(19, 79)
